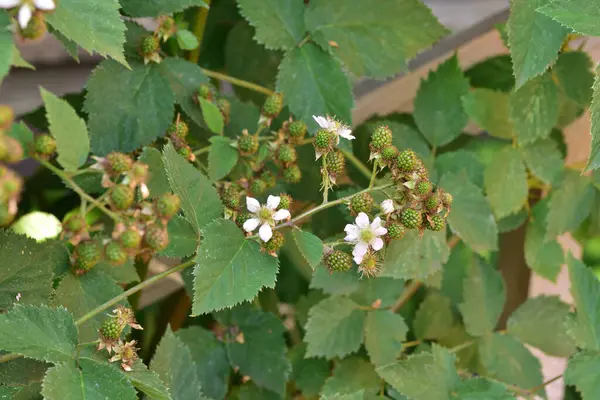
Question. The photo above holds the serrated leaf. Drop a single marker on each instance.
(70, 132)
(183, 238)
(482, 389)
(580, 15)
(81, 294)
(534, 109)
(7, 47)
(439, 113)
(484, 294)
(334, 282)
(155, 8)
(212, 116)
(7, 392)
(534, 39)
(585, 289)
(434, 318)
(424, 376)
(43, 333)
(88, 380)
(147, 382)
(414, 257)
(186, 39)
(334, 328)
(455, 270)
(382, 291)
(210, 359)
(544, 160)
(495, 73)
(489, 109)
(69, 45)
(22, 371)
(471, 217)
(308, 72)
(350, 377)
(570, 204)
(541, 322)
(173, 363)
(279, 24)
(18, 61)
(130, 114)
(199, 199)
(308, 374)
(158, 183)
(594, 157)
(122, 274)
(461, 160)
(250, 391)
(384, 334)
(309, 245)
(95, 26)
(373, 41)
(506, 182)
(222, 157)
(582, 373)
(574, 75)
(229, 269)
(508, 360)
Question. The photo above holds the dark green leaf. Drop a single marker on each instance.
(183, 238)
(335, 282)
(123, 274)
(455, 271)
(458, 161)
(543, 256)
(506, 182)
(495, 73)
(353, 378)
(580, 15)
(310, 246)
(489, 109)
(384, 334)
(582, 373)
(155, 8)
(381, 291)
(544, 160)
(308, 374)
(585, 289)
(222, 157)
(594, 158)
(158, 183)
(147, 382)
(7, 46)
(574, 74)
(482, 389)
(434, 318)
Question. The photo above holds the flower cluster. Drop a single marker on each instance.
(30, 15)
(326, 140)
(264, 218)
(110, 333)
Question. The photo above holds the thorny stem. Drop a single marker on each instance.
(238, 82)
(537, 388)
(373, 174)
(325, 181)
(199, 26)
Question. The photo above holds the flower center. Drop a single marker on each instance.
(367, 235)
(264, 214)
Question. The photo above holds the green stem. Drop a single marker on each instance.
(238, 82)
(78, 189)
(357, 163)
(202, 151)
(462, 346)
(199, 26)
(373, 175)
(304, 41)
(407, 294)
(9, 357)
(325, 181)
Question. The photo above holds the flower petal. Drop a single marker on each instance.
(360, 249)
(251, 224)
(352, 233)
(380, 231)
(24, 16)
(45, 5)
(377, 244)
(376, 223)
(281, 215)
(9, 3)
(362, 220)
(346, 134)
(265, 232)
(273, 202)
(321, 121)
(387, 206)
(252, 204)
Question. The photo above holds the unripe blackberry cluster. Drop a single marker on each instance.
(178, 132)
(247, 144)
(362, 202)
(11, 183)
(338, 260)
(336, 162)
(110, 333)
(166, 28)
(274, 244)
(150, 48)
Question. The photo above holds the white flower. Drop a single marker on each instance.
(364, 235)
(334, 126)
(27, 8)
(387, 206)
(265, 216)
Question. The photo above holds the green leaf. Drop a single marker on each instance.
(130, 114)
(461, 160)
(482, 389)
(594, 158)
(574, 75)
(229, 269)
(158, 183)
(585, 289)
(508, 360)
(222, 157)
(123, 274)
(582, 372)
(82, 294)
(494, 73)
(43, 333)
(70, 131)
(95, 26)
(506, 182)
(308, 72)
(250, 391)
(173, 363)
(384, 334)
(199, 199)
(155, 8)
(310, 246)
(183, 238)
(489, 109)
(308, 374)
(534, 109)
(534, 39)
(212, 116)
(423, 376)
(540, 322)
(580, 15)
(351, 377)
(545, 257)
(186, 39)
(334, 328)
(439, 113)
(147, 382)
(414, 257)
(484, 295)
(210, 358)
(335, 282)
(373, 41)
(460, 260)
(18, 61)
(380, 290)
(88, 380)
(570, 204)
(279, 24)
(544, 160)
(69, 45)
(471, 218)
(7, 46)
(434, 318)
(22, 371)
(8, 392)
(22, 133)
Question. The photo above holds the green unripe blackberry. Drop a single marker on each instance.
(273, 105)
(382, 136)
(406, 161)
(168, 205)
(323, 140)
(205, 91)
(231, 197)
(6, 217)
(122, 197)
(421, 170)
(14, 150)
(75, 223)
(410, 218)
(178, 129)
(166, 28)
(118, 163)
(225, 107)
(287, 154)
(437, 223)
(447, 199)
(292, 174)
(395, 230)
(338, 261)
(186, 152)
(248, 144)
(258, 186)
(131, 239)
(87, 254)
(432, 202)
(7, 116)
(423, 187)
(362, 202)
(45, 145)
(297, 130)
(115, 253)
(110, 329)
(156, 238)
(285, 201)
(389, 152)
(149, 45)
(243, 217)
(269, 178)
(335, 161)
(275, 242)
(36, 27)
(11, 185)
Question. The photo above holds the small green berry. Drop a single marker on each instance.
(115, 253)
(75, 223)
(45, 145)
(382, 136)
(421, 170)
(156, 237)
(122, 197)
(406, 161)
(437, 223)
(338, 261)
(369, 266)
(149, 45)
(258, 186)
(11, 185)
(88, 254)
(335, 161)
(14, 150)
(231, 196)
(292, 174)
(447, 199)
(275, 242)
(186, 152)
(7, 116)
(287, 154)
(131, 239)
(248, 144)
(273, 105)
(297, 130)
(139, 171)
(285, 201)
(269, 178)
(205, 91)
(423, 187)
(432, 202)
(362, 202)
(110, 329)
(323, 140)
(395, 230)
(178, 129)
(118, 163)
(225, 107)
(167, 27)
(410, 218)
(168, 205)
(389, 152)
(36, 28)
(243, 217)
